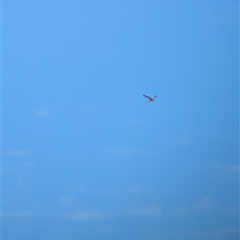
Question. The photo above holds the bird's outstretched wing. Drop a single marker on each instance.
(147, 97)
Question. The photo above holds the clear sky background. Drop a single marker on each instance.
(85, 156)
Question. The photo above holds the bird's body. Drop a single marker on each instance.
(151, 99)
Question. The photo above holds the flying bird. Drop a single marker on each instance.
(151, 99)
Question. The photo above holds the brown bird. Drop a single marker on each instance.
(151, 99)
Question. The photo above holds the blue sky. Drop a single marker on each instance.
(84, 155)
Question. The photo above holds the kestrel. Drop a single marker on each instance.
(151, 99)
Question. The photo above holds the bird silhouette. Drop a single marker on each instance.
(151, 99)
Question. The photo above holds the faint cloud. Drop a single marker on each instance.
(177, 142)
(35, 205)
(132, 192)
(122, 150)
(20, 163)
(134, 122)
(232, 168)
(232, 210)
(21, 181)
(130, 101)
(226, 18)
(7, 169)
(149, 211)
(141, 192)
(66, 201)
(201, 167)
(203, 204)
(18, 153)
(158, 237)
(208, 233)
(23, 215)
(216, 233)
(92, 107)
(80, 188)
(86, 215)
(113, 192)
(180, 211)
(41, 112)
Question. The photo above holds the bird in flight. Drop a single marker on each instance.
(151, 99)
